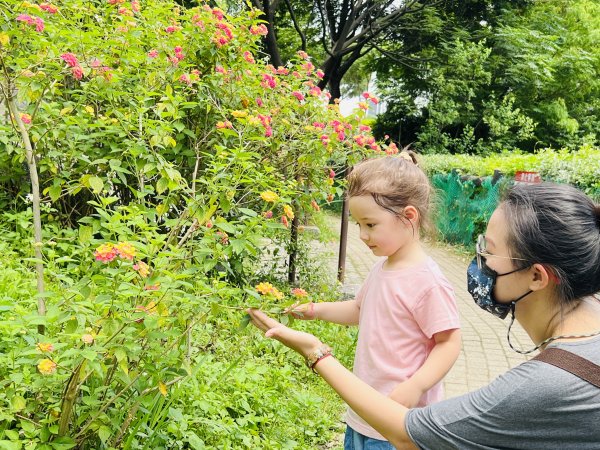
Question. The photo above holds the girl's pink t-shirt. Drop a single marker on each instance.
(400, 311)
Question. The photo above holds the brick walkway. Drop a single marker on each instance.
(485, 352)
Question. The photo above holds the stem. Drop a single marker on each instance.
(35, 191)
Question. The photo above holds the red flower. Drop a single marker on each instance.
(298, 95)
(152, 53)
(77, 72)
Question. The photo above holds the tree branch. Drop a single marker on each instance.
(296, 25)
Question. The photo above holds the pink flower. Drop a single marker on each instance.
(70, 59)
(105, 253)
(268, 132)
(341, 136)
(327, 95)
(218, 13)
(77, 72)
(315, 91)
(320, 74)
(298, 95)
(209, 224)
(124, 11)
(331, 173)
(248, 57)
(32, 20)
(220, 69)
(364, 128)
(95, 63)
(153, 54)
(25, 118)
(284, 221)
(135, 6)
(197, 22)
(360, 140)
(324, 140)
(185, 78)
(268, 214)
(259, 102)
(268, 82)
(296, 74)
(392, 149)
(308, 67)
(319, 125)
(259, 29)
(302, 54)
(50, 9)
(172, 28)
(282, 71)
(115, 2)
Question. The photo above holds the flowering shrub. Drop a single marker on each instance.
(170, 155)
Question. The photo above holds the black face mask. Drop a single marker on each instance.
(480, 284)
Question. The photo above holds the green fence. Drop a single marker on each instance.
(464, 205)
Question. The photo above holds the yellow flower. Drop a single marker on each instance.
(239, 113)
(162, 388)
(264, 288)
(269, 196)
(4, 39)
(89, 109)
(125, 250)
(287, 210)
(45, 346)
(47, 366)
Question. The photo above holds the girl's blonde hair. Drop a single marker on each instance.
(394, 182)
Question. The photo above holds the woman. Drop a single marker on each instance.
(539, 260)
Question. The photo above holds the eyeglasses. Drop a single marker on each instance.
(482, 253)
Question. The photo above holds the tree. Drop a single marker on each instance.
(343, 30)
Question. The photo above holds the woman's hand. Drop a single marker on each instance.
(303, 343)
(302, 311)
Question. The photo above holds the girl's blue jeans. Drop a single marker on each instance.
(356, 441)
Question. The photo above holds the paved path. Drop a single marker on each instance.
(485, 352)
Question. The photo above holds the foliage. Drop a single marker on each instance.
(172, 163)
(520, 76)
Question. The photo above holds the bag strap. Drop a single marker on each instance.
(572, 363)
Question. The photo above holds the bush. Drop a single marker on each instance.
(173, 162)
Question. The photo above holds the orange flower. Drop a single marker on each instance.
(269, 289)
(47, 366)
(142, 268)
(299, 292)
(288, 211)
(45, 346)
(284, 221)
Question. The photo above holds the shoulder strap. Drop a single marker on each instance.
(575, 364)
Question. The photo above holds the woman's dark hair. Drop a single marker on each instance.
(558, 226)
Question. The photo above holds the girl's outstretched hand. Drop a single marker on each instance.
(302, 311)
(303, 343)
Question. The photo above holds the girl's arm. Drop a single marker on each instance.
(382, 413)
(436, 366)
(343, 312)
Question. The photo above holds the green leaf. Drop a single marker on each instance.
(96, 184)
(8, 445)
(104, 433)
(13, 435)
(17, 403)
(195, 442)
(54, 192)
(162, 185)
(85, 234)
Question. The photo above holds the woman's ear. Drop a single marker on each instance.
(540, 277)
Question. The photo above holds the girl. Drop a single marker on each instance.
(409, 333)
(539, 261)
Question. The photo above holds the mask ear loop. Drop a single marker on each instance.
(512, 320)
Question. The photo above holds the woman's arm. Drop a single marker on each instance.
(436, 366)
(382, 413)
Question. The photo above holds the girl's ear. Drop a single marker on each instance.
(411, 213)
(540, 277)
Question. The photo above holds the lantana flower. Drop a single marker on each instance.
(299, 292)
(269, 196)
(47, 366)
(125, 250)
(45, 347)
(142, 268)
(288, 211)
(105, 253)
(25, 118)
(268, 289)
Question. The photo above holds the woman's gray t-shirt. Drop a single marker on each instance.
(533, 406)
